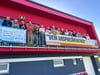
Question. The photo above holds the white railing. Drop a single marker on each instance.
(10, 36)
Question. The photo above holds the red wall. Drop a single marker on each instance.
(13, 13)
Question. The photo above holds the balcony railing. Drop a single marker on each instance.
(16, 38)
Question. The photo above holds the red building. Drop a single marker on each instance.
(42, 15)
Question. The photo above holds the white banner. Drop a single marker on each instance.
(62, 40)
(12, 35)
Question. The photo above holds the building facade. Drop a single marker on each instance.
(56, 60)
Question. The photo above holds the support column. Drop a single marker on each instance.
(88, 66)
(95, 65)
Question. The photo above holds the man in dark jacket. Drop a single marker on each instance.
(22, 25)
(7, 22)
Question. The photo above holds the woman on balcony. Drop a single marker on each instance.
(48, 31)
(58, 31)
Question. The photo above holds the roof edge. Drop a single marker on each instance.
(58, 10)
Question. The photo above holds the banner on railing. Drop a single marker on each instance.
(62, 40)
(12, 35)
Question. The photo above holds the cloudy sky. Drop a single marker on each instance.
(86, 9)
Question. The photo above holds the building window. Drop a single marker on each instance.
(75, 61)
(58, 62)
(4, 68)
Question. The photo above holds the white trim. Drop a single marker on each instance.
(58, 64)
(74, 61)
(6, 70)
(96, 56)
(98, 69)
(36, 59)
(88, 66)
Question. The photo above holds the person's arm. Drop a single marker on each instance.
(10, 23)
(39, 29)
(25, 27)
(20, 26)
(13, 24)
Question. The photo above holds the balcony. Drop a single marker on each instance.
(14, 41)
(19, 49)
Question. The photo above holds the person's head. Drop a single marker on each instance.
(16, 21)
(8, 18)
(78, 33)
(42, 26)
(30, 23)
(58, 29)
(48, 28)
(62, 29)
(87, 34)
(37, 26)
(84, 34)
(73, 32)
(53, 27)
(70, 32)
(22, 22)
(66, 30)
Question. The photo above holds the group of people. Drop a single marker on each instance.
(57, 31)
(36, 33)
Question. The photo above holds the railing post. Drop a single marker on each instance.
(48, 48)
(57, 48)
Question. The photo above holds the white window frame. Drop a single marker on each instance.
(75, 61)
(4, 71)
(58, 60)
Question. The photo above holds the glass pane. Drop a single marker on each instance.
(3, 67)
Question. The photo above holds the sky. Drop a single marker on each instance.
(86, 9)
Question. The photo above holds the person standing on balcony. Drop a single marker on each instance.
(22, 25)
(36, 35)
(62, 31)
(15, 24)
(58, 31)
(7, 22)
(53, 30)
(87, 36)
(48, 31)
(78, 34)
(70, 33)
(84, 36)
(42, 35)
(66, 32)
(73, 34)
(29, 32)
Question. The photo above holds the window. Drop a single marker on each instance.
(58, 63)
(4, 68)
(75, 61)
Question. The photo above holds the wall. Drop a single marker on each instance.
(45, 68)
(97, 60)
(39, 20)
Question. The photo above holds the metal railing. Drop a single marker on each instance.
(13, 45)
